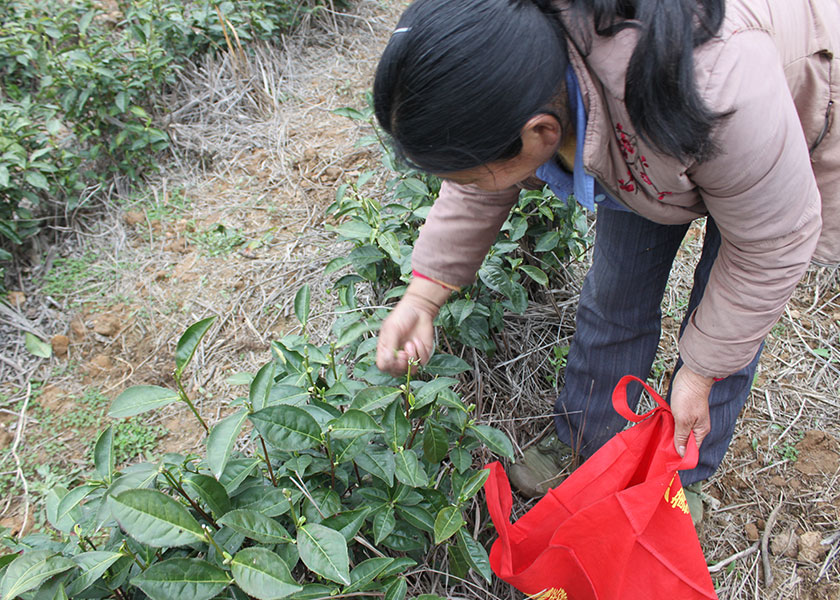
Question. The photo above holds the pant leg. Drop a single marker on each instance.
(727, 396)
(617, 323)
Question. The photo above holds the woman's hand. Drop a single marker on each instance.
(690, 406)
(408, 334)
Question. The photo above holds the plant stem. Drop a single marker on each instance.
(186, 399)
(213, 543)
(414, 433)
(268, 462)
(330, 458)
(139, 562)
(177, 487)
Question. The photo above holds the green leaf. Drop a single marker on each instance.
(4, 177)
(400, 565)
(547, 242)
(352, 424)
(435, 443)
(180, 578)
(153, 518)
(209, 491)
(473, 485)
(37, 180)
(366, 571)
(379, 462)
(103, 454)
(416, 186)
(461, 459)
(255, 526)
(324, 551)
(430, 390)
(121, 101)
(236, 471)
(448, 521)
(352, 333)
(389, 243)
(92, 566)
(139, 399)
(374, 398)
(822, 352)
(397, 590)
(261, 386)
(446, 364)
(260, 573)
(396, 426)
(302, 304)
(409, 470)
(354, 230)
(52, 500)
(189, 342)
(287, 427)
(30, 570)
(383, 524)
(221, 440)
(417, 516)
(68, 507)
(37, 347)
(535, 273)
(495, 278)
(475, 554)
(494, 439)
(347, 523)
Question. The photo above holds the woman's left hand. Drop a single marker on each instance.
(690, 406)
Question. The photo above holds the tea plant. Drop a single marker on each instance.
(79, 88)
(541, 237)
(329, 478)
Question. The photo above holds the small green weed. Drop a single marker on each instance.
(218, 240)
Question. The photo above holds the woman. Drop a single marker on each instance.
(659, 112)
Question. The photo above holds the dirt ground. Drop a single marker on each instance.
(234, 224)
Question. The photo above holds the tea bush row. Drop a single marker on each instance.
(79, 86)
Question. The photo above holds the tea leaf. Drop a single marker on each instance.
(37, 347)
(324, 551)
(93, 565)
(261, 386)
(352, 424)
(189, 342)
(103, 454)
(255, 526)
(209, 490)
(494, 439)
(221, 440)
(30, 570)
(179, 578)
(447, 523)
(139, 399)
(261, 573)
(475, 554)
(287, 427)
(302, 304)
(153, 518)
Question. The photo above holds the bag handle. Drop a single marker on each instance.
(619, 400)
(499, 504)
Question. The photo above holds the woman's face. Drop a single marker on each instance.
(541, 137)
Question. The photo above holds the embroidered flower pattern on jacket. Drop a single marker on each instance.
(634, 160)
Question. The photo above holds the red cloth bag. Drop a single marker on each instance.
(617, 529)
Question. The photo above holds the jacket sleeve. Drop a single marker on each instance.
(761, 192)
(459, 230)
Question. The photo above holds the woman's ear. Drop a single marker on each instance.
(541, 135)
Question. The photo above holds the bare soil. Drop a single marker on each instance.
(234, 224)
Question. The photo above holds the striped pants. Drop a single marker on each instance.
(618, 326)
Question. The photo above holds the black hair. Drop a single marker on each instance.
(660, 91)
(460, 78)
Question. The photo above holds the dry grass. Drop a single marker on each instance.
(259, 152)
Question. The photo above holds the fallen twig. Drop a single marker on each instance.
(765, 542)
(720, 565)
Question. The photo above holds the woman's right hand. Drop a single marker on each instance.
(407, 334)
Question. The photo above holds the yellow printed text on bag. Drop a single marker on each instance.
(678, 499)
(551, 594)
